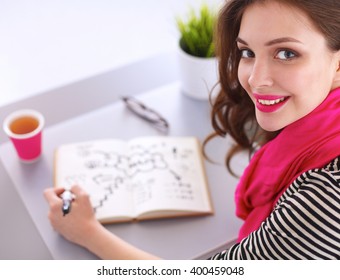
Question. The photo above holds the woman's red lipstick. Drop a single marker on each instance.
(269, 103)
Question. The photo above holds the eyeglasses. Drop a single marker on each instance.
(146, 113)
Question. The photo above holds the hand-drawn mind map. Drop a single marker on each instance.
(112, 171)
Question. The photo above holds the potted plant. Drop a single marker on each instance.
(197, 61)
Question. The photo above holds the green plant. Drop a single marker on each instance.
(197, 33)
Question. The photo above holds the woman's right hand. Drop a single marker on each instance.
(78, 225)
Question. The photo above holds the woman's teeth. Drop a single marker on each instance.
(270, 102)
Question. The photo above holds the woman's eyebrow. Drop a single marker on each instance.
(272, 42)
(282, 40)
(239, 40)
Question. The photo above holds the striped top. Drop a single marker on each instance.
(305, 223)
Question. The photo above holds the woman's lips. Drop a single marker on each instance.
(269, 103)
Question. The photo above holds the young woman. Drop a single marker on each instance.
(280, 100)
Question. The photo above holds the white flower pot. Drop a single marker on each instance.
(198, 76)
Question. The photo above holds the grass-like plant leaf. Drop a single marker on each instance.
(197, 33)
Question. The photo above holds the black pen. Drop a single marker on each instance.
(67, 198)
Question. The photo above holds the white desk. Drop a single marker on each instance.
(77, 112)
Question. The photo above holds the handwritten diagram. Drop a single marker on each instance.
(143, 171)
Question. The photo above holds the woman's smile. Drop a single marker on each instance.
(269, 103)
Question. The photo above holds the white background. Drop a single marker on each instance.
(46, 44)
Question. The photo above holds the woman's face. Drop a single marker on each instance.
(285, 67)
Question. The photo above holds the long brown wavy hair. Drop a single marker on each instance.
(233, 112)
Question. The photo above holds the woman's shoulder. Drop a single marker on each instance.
(334, 167)
(324, 182)
(304, 223)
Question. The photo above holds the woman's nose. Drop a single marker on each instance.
(260, 75)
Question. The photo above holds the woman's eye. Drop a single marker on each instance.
(245, 53)
(285, 55)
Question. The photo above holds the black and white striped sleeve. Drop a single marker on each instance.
(305, 223)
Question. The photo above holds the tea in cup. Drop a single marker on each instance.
(24, 128)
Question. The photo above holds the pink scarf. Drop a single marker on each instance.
(308, 143)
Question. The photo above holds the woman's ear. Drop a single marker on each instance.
(336, 82)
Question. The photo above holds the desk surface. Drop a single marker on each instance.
(22, 184)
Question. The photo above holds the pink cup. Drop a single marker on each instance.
(24, 128)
